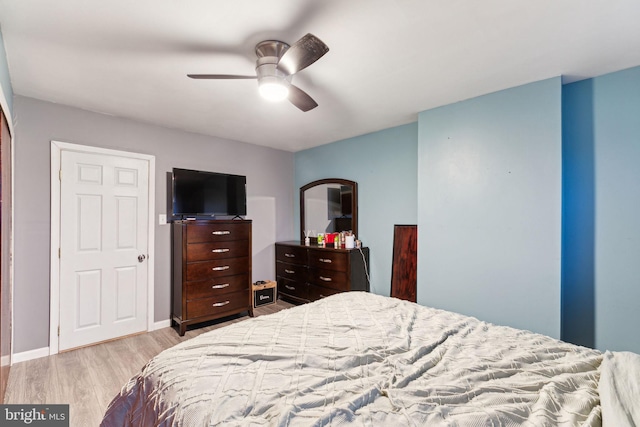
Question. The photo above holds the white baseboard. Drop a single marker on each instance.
(162, 324)
(29, 355)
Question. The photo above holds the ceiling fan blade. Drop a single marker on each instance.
(302, 53)
(301, 99)
(220, 76)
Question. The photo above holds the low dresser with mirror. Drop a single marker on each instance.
(308, 272)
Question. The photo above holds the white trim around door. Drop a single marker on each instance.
(56, 152)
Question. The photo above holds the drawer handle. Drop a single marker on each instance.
(224, 267)
(289, 271)
(224, 285)
(220, 233)
(325, 279)
(322, 296)
(328, 261)
(291, 288)
(290, 255)
(219, 251)
(219, 304)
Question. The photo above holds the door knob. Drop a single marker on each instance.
(141, 257)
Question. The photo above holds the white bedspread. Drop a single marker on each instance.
(619, 389)
(367, 360)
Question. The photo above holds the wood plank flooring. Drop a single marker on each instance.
(89, 378)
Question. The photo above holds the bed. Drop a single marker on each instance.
(363, 359)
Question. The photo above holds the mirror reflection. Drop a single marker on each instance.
(328, 206)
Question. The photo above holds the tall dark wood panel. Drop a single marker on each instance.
(404, 279)
(5, 247)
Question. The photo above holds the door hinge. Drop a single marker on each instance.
(59, 252)
(60, 174)
(58, 330)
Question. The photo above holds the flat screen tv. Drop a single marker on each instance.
(200, 194)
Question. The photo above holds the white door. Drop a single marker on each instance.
(103, 247)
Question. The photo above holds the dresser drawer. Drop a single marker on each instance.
(329, 278)
(217, 250)
(329, 260)
(213, 288)
(293, 289)
(217, 305)
(318, 292)
(291, 254)
(212, 269)
(217, 232)
(291, 271)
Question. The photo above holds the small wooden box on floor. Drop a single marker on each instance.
(211, 270)
(264, 293)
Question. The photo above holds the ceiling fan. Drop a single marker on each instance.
(277, 63)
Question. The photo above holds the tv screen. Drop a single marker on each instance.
(208, 194)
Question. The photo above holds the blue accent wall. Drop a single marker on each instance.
(602, 212)
(384, 165)
(489, 207)
(527, 202)
(5, 81)
(578, 203)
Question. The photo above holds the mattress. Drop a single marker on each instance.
(361, 359)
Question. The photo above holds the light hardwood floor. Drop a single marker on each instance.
(89, 378)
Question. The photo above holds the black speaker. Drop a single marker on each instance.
(264, 293)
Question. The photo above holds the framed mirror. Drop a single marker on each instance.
(327, 206)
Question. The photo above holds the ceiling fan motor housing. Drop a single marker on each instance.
(269, 53)
(271, 48)
(267, 71)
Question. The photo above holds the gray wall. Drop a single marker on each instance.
(269, 204)
(489, 209)
(5, 80)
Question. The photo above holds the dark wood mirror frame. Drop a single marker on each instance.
(338, 181)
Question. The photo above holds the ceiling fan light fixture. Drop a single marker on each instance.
(273, 89)
(275, 67)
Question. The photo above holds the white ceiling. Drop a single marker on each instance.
(388, 59)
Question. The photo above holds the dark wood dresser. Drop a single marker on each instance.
(308, 273)
(211, 275)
